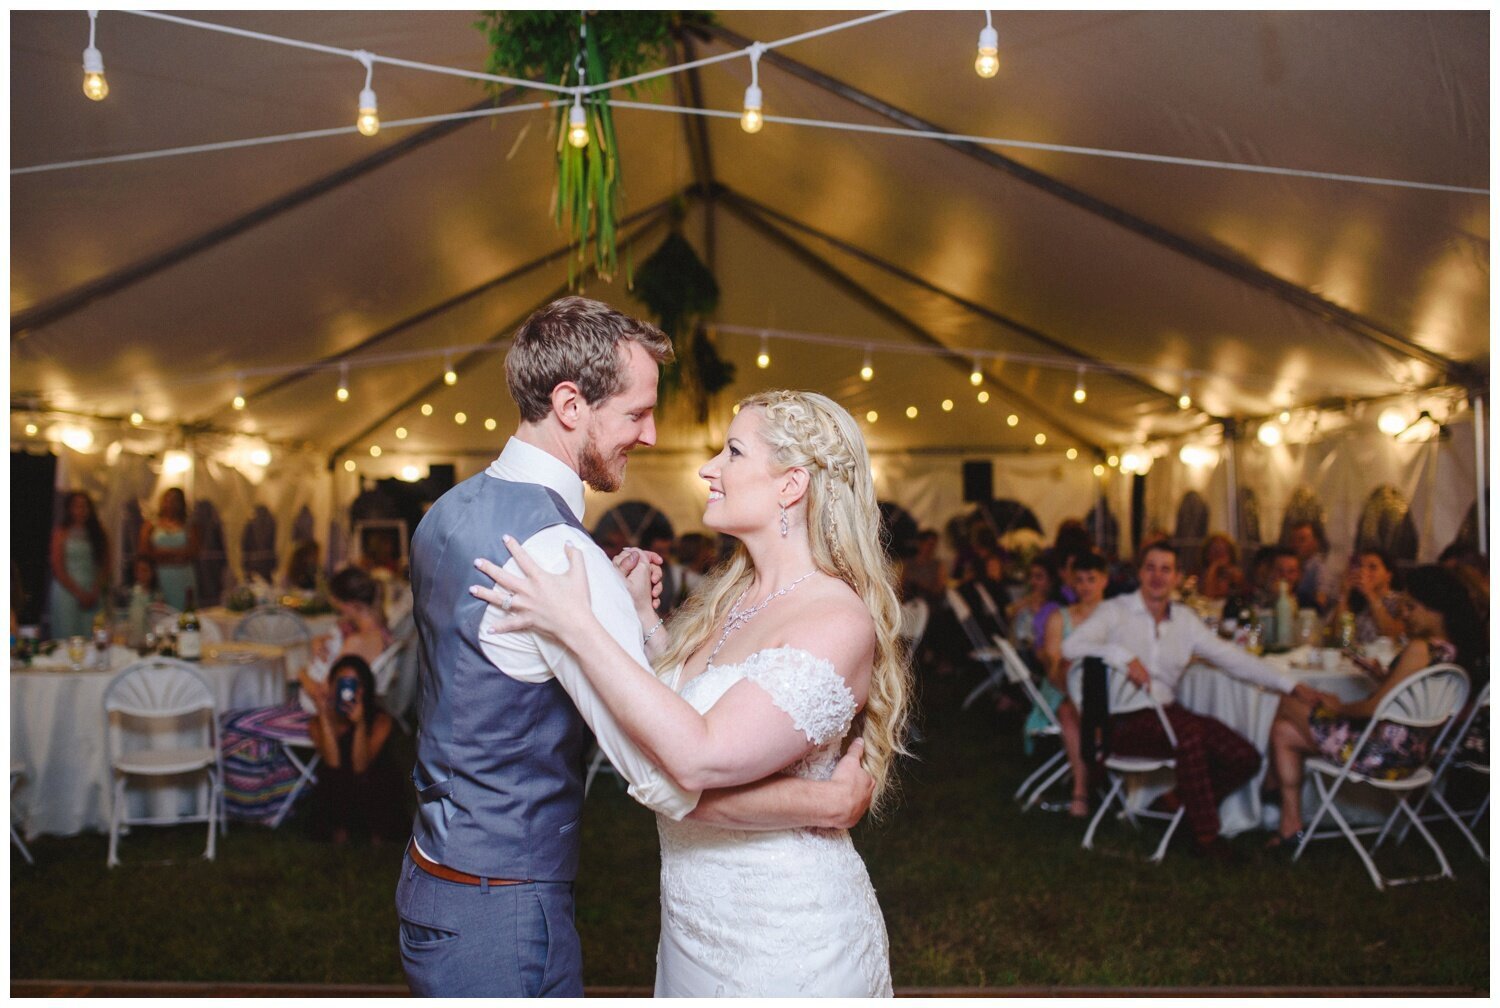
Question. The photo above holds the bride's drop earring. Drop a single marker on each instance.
(783, 521)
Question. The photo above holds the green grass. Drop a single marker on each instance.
(974, 893)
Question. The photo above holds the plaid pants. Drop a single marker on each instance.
(1213, 760)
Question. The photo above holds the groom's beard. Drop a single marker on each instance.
(595, 470)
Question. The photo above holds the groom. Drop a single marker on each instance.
(485, 897)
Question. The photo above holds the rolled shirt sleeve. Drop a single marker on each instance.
(532, 657)
(1238, 662)
(1093, 638)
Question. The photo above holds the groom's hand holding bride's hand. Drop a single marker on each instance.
(642, 570)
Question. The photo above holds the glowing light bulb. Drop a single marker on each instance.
(751, 120)
(763, 359)
(1012, 420)
(975, 375)
(983, 397)
(259, 457)
(427, 409)
(1041, 439)
(1269, 435)
(368, 121)
(410, 473)
(987, 62)
(1114, 460)
(238, 402)
(872, 416)
(1285, 417)
(136, 419)
(578, 125)
(1098, 470)
(911, 412)
(176, 462)
(401, 433)
(868, 370)
(1072, 454)
(1184, 401)
(489, 423)
(374, 451)
(450, 376)
(342, 394)
(460, 418)
(1079, 392)
(31, 430)
(1393, 420)
(947, 405)
(349, 465)
(94, 84)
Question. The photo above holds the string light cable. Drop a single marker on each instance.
(95, 87)
(1001, 142)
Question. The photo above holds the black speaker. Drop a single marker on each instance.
(979, 482)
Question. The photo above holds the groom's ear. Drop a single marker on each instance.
(793, 485)
(568, 405)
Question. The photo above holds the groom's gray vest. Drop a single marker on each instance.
(499, 772)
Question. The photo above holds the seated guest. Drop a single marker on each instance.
(1438, 617)
(302, 567)
(1090, 576)
(1042, 587)
(1144, 636)
(1283, 566)
(1219, 567)
(361, 630)
(1318, 584)
(1367, 587)
(922, 573)
(358, 791)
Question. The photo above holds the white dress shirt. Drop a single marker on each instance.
(534, 658)
(1123, 628)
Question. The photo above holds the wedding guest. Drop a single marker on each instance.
(358, 791)
(922, 573)
(1367, 589)
(1219, 567)
(1318, 583)
(361, 631)
(303, 567)
(170, 544)
(1152, 641)
(1090, 576)
(1042, 587)
(1440, 621)
(80, 567)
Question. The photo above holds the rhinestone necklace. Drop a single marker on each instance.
(737, 619)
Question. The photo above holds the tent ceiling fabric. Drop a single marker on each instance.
(1272, 291)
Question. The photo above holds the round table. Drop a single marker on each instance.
(57, 731)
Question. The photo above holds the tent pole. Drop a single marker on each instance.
(1231, 480)
(1481, 529)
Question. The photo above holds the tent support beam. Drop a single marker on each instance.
(1246, 272)
(990, 314)
(1480, 475)
(78, 298)
(658, 214)
(432, 311)
(747, 213)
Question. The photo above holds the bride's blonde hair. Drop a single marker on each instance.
(811, 431)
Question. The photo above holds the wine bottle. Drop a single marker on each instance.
(189, 641)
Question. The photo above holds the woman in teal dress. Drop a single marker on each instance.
(80, 568)
(172, 546)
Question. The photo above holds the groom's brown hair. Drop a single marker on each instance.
(574, 339)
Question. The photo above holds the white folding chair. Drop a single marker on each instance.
(983, 649)
(991, 610)
(384, 667)
(170, 695)
(273, 624)
(915, 613)
(1455, 759)
(1427, 699)
(17, 772)
(598, 762)
(1120, 769)
(1056, 766)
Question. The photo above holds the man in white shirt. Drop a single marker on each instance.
(485, 899)
(1144, 636)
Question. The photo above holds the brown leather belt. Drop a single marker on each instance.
(447, 874)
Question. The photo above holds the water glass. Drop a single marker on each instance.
(77, 648)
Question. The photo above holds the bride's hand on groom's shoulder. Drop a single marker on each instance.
(853, 788)
(535, 599)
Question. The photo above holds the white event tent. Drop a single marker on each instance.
(1245, 240)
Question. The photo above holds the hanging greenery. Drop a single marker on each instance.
(681, 292)
(577, 48)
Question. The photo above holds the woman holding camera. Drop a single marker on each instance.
(359, 788)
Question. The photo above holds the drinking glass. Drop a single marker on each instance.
(77, 648)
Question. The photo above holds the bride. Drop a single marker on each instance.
(786, 651)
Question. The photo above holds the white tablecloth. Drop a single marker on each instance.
(57, 734)
(1249, 710)
(298, 656)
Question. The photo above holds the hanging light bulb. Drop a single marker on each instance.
(1285, 417)
(578, 123)
(460, 418)
(751, 120)
(763, 359)
(136, 418)
(401, 433)
(374, 451)
(1012, 420)
(1072, 454)
(1079, 392)
(868, 370)
(489, 423)
(1113, 461)
(1393, 420)
(947, 405)
(349, 465)
(1098, 470)
(427, 409)
(31, 430)
(871, 416)
(1184, 401)
(911, 412)
(1269, 434)
(983, 396)
(450, 376)
(238, 402)
(94, 84)
(987, 63)
(368, 120)
(1041, 439)
(342, 394)
(975, 375)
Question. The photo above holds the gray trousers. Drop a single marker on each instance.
(496, 941)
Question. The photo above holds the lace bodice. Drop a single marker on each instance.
(779, 912)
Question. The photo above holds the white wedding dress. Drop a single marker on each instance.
(777, 913)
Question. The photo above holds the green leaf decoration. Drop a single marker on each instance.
(680, 292)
